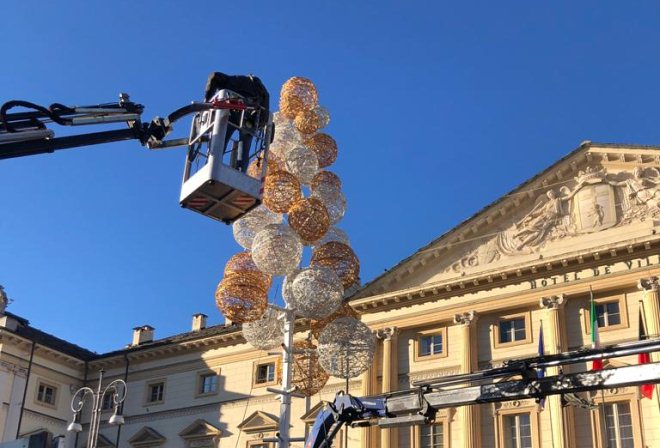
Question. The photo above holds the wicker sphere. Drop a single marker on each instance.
(308, 122)
(323, 116)
(309, 218)
(298, 94)
(334, 201)
(281, 190)
(266, 332)
(240, 300)
(333, 234)
(302, 163)
(255, 169)
(346, 347)
(308, 377)
(325, 148)
(277, 249)
(242, 263)
(352, 289)
(344, 310)
(314, 292)
(325, 180)
(250, 224)
(340, 258)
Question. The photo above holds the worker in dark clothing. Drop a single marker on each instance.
(256, 96)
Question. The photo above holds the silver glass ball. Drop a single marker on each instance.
(346, 347)
(250, 224)
(276, 249)
(302, 163)
(314, 292)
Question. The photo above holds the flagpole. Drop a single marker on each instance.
(542, 353)
(595, 342)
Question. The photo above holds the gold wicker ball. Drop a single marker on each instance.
(345, 310)
(255, 168)
(308, 122)
(308, 377)
(325, 148)
(309, 219)
(297, 94)
(240, 299)
(340, 258)
(325, 180)
(281, 191)
(242, 263)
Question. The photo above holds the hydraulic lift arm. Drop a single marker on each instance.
(516, 380)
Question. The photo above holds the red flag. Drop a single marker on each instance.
(644, 358)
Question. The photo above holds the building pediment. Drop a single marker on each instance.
(599, 198)
(200, 429)
(147, 437)
(310, 416)
(259, 421)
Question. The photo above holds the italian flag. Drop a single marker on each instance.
(644, 358)
(597, 364)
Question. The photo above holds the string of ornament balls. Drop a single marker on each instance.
(302, 205)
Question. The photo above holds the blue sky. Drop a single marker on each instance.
(438, 108)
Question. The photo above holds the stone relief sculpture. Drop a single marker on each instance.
(589, 205)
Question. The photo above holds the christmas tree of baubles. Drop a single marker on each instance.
(302, 205)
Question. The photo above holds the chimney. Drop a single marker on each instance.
(143, 334)
(199, 321)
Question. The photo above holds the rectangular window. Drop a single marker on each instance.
(618, 426)
(108, 402)
(432, 436)
(156, 392)
(517, 431)
(265, 373)
(512, 330)
(608, 314)
(208, 383)
(47, 394)
(430, 345)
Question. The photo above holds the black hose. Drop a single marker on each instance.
(53, 115)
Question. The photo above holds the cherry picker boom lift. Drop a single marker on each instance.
(515, 380)
(215, 181)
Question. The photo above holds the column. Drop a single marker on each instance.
(369, 437)
(389, 436)
(469, 415)
(650, 308)
(561, 419)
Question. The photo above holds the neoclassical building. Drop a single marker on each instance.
(471, 299)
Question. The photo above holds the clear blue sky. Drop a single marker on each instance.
(438, 108)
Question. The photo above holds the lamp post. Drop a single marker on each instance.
(118, 390)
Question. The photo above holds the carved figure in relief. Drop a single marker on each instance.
(641, 193)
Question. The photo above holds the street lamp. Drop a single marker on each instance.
(118, 390)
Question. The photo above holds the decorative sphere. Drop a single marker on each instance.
(323, 116)
(302, 163)
(255, 169)
(240, 300)
(326, 180)
(334, 201)
(325, 148)
(346, 347)
(265, 333)
(297, 94)
(333, 234)
(308, 122)
(250, 224)
(309, 218)
(242, 263)
(340, 258)
(344, 310)
(313, 292)
(281, 190)
(308, 377)
(276, 249)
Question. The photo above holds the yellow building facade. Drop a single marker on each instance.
(470, 300)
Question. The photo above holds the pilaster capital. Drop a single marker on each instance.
(552, 302)
(387, 333)
(649, 284)
(465, 318)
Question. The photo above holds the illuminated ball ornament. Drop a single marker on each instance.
(281, 190)
(334, 201)
(308, 377)
(346, 347)
(298, 94)
(242, 263)
(255, 169)
(302, 163)
(333, 234)
(266, 332)
(323, 116)
(309, 219)
(340, 258)
(326, 182)
(308, 122)
(313, 292)
(250, 224)
(240, 299)
(276, 249)
(344, 310)
(325, 148)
